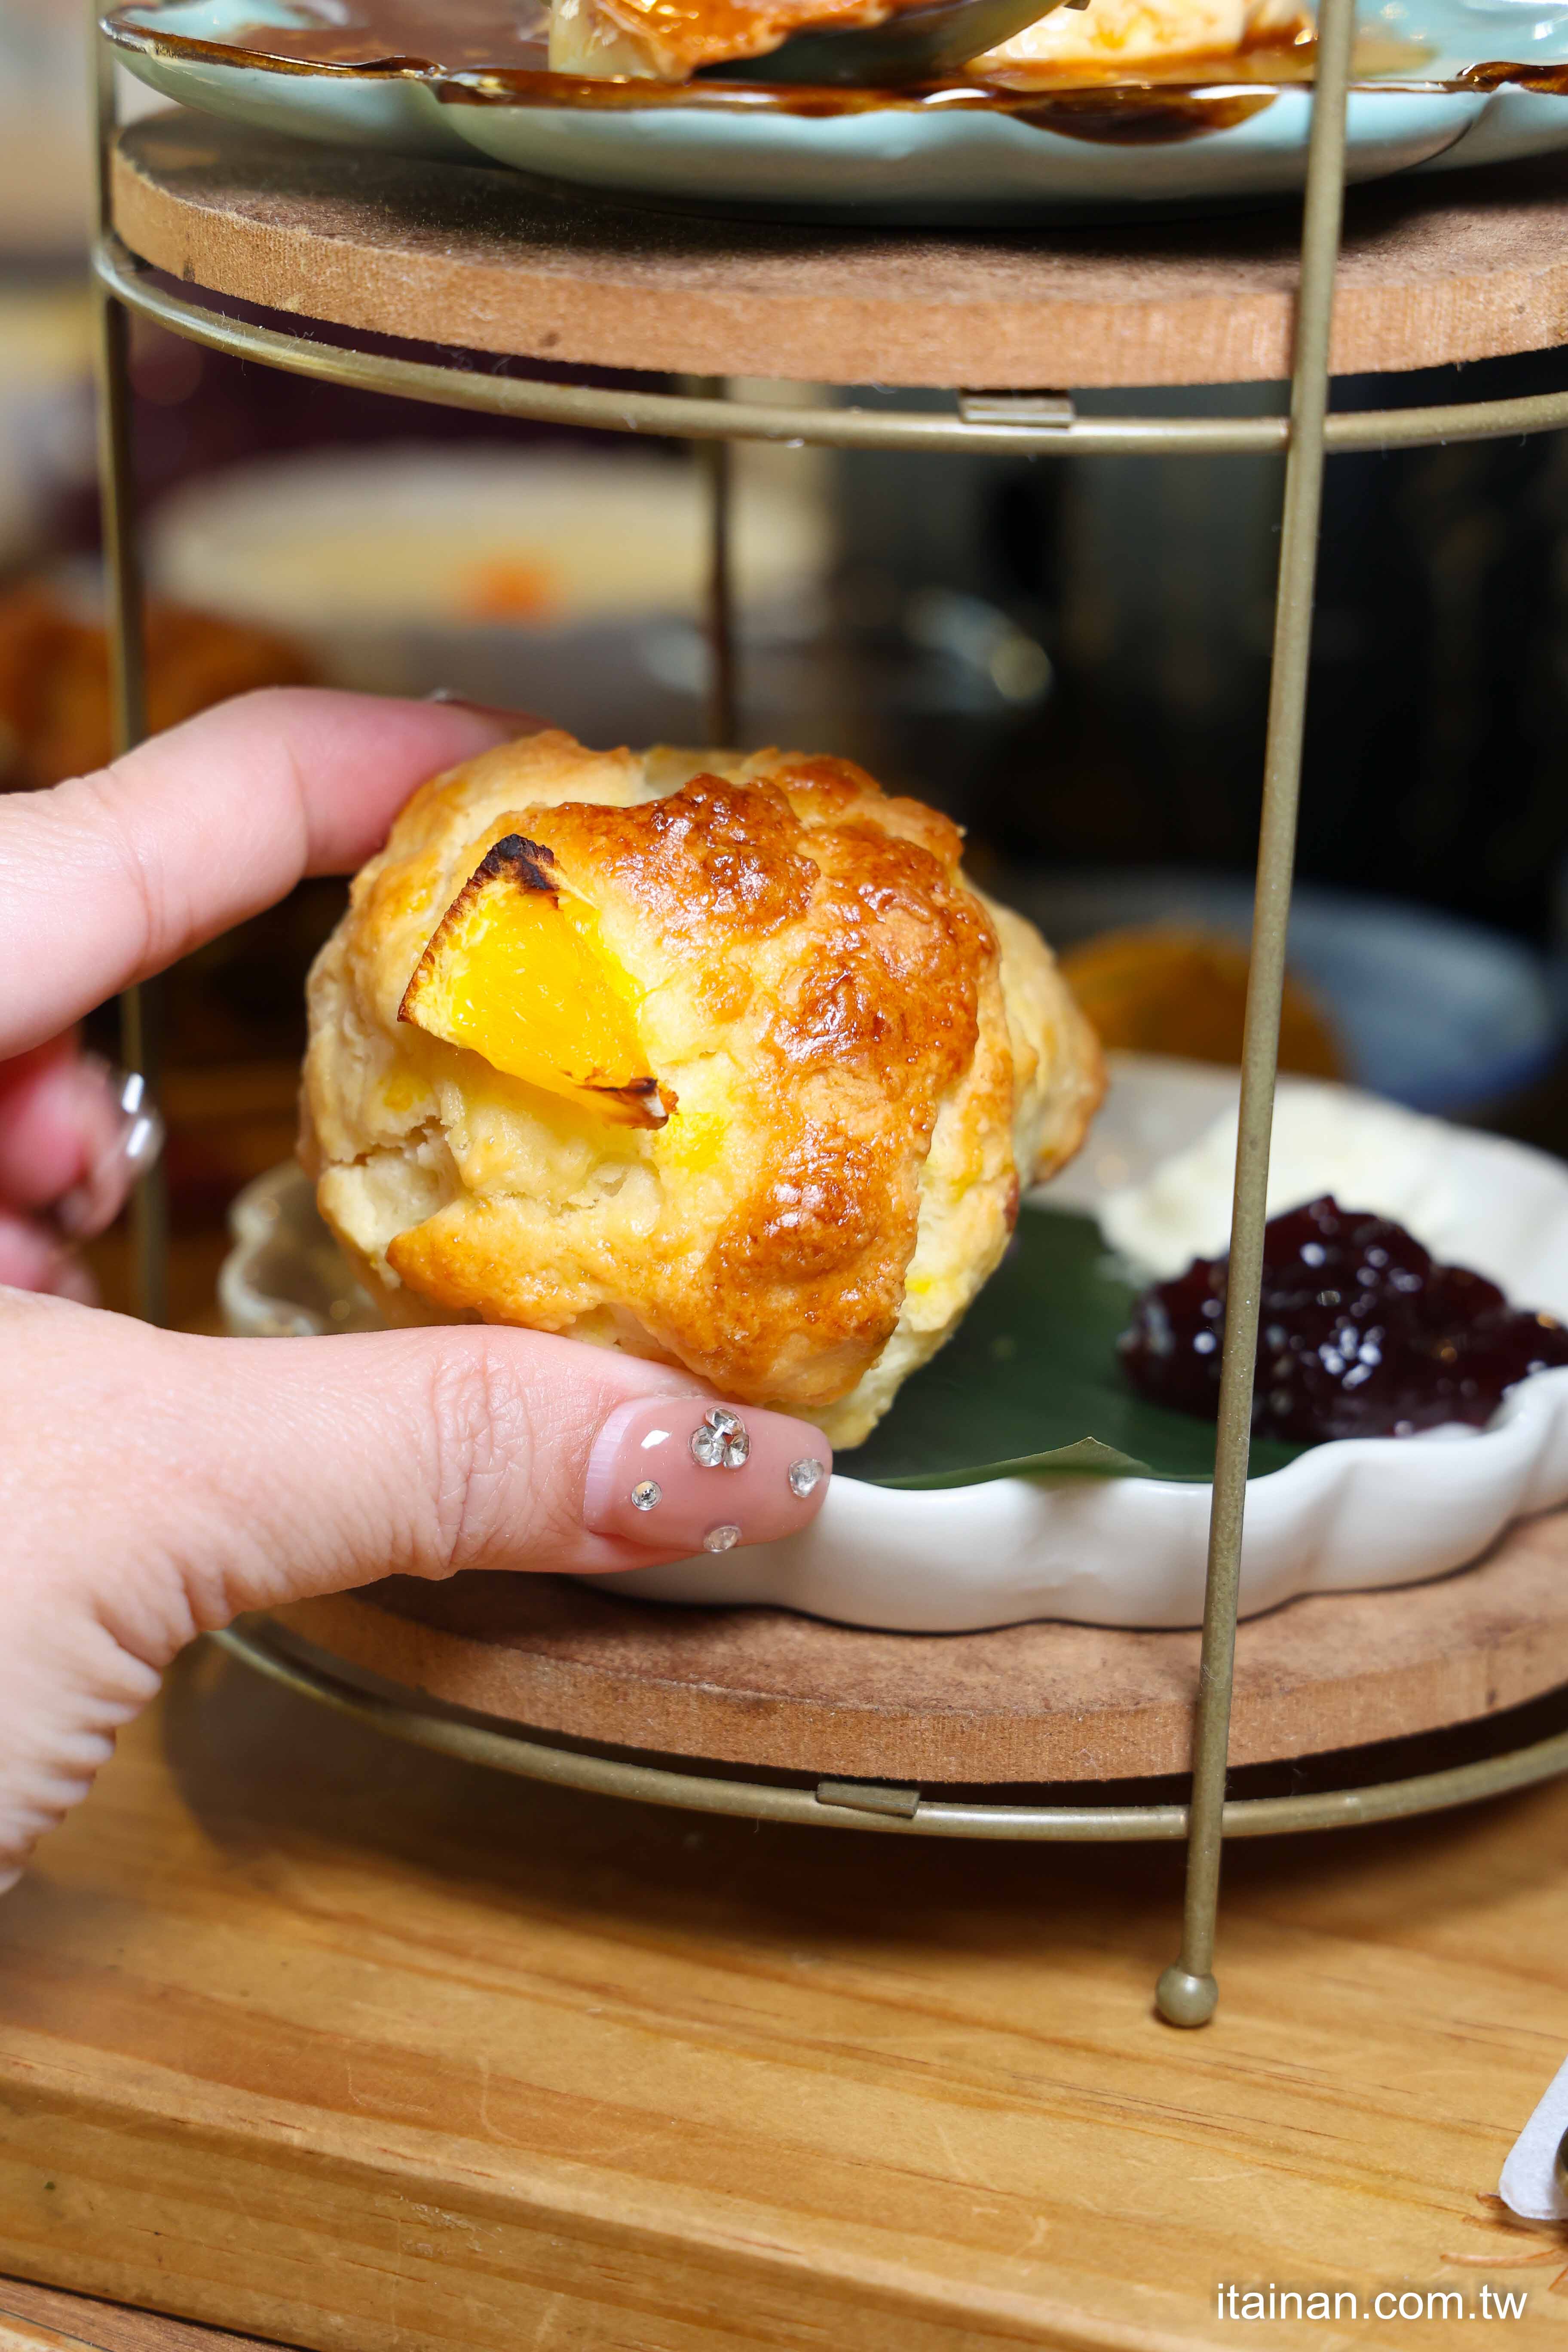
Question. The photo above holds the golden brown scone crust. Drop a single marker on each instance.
(868, 1062)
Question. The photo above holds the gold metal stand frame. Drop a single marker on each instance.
(862, 1805)
(984, 423)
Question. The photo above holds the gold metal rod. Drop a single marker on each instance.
(693, 419)
(716, 460)
(1187, 1991)
(314, 1674)
(104, 122)
(138, 1006)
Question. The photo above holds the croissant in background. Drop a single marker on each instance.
(55, 719)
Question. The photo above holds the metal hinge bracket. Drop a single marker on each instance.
(1052, 410)
(870, 1797)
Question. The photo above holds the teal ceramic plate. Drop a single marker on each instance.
(1440, 84)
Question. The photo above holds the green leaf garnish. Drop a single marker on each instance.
(1031, 1385)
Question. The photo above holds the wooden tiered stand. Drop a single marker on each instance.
(336, 2180)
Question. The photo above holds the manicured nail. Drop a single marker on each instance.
(138, 1138)
(690, 1477)
(524, 722)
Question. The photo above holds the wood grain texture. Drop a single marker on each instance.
(1462, 268)
(18, 2335)
(303, 2034)
(1027, 1702)
(44, 2319)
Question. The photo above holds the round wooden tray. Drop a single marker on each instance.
(1464, 267)
(1024, 1703)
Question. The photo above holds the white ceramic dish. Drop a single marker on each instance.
(1107, 1552)
(525, 579)
(982, 157)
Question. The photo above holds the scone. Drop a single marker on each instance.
(715, 1058)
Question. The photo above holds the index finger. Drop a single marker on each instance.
(106, 879)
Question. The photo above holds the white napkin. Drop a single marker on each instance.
(1529, 2186)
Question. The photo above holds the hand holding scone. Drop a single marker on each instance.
(712, 1059)
(153, 1485)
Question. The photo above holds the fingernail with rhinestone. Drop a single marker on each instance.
(721, 1441)
(133, 1142)
(683, 1476)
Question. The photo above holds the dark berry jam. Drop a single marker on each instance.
(1360, 1334)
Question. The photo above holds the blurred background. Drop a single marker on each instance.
(1069, 655)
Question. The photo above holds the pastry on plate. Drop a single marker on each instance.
(717, 1058)
(669, 40)
(654, 40)
(55, 710)
(1111, 38)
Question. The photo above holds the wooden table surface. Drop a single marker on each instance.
(306, 2034)
(47, 2319)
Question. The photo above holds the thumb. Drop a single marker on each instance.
(154, 1486)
